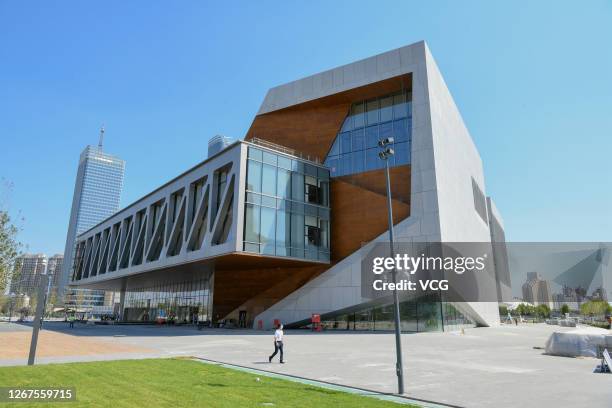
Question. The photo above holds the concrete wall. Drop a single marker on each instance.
(234, 155)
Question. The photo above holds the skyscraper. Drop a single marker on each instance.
(26, 274)
(55, 271)
(97, 193)
(536, 290)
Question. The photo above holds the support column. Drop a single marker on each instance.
(122, 300)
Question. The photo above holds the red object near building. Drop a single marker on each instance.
(260, 324)
(316, 322)
(276, 322)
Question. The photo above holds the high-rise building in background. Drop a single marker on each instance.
(55, 271)
(26, 274)
(218, 143)
(536, 290)
(97, 194)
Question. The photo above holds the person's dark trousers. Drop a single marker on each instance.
(278, 346)
(71, 324)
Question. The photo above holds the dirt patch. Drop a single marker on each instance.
(14, 345)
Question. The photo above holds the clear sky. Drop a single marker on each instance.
(532, 80)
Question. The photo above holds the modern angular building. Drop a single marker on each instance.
(272, 228)
(97, 193)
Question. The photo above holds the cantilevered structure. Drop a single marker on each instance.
(273, 227)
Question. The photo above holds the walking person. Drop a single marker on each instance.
(71, 320)
(278, 343)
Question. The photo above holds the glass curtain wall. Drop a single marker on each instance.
(424, 314)
(176, 302)
(355, 149)
(287, 207)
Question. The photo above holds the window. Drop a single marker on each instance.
(371, 121)
(357, 140)
(251, 223)
(312, 193)
(386, 109)
(269, 158)
(284, 202)
(347, 125)
(335, 149)
(313, 235)
(284, 162)
(255, 154)
(358, 161)
(402, 153)
(385, 130)
(283, 224)
(401, 130)
(268, 230)
(297, 231)
(357, 112)
(297, 186)
(371, 136)
(345, 142)
(254, 176)
(268, 180)
(372, 111)
(283, 184)
(400, 107)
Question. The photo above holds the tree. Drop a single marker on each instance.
(9, 249)
(565, 309)
(595, 308)
(9, 246)
(542, 311)
(503, 311)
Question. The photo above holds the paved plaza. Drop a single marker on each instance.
(485, 367)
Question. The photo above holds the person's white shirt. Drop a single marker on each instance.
(278, 335)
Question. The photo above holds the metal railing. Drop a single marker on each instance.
(284, 149)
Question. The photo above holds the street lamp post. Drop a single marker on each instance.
(385, 154)
(38, 317)
(49, 280)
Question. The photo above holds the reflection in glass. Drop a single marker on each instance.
(268, 180)
(254, 176)
(370, 121)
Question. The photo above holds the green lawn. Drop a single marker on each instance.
(173, 383)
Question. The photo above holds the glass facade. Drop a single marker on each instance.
(179, 302)
(355, 149)
(424, 314)
(287, 207)
(83, 299)
(102, 182)
(97, 195)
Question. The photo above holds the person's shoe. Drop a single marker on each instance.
(269, 359)
(282, 362)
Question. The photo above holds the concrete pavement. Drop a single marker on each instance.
(485, 367)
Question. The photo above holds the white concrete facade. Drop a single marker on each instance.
(444, 163)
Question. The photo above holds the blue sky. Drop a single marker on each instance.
(531, 79)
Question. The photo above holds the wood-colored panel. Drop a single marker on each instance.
(285, 282)
(375, 181)
(310, 127)
(358, 216)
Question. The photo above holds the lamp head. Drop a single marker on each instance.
(385, 154)
(385, 141)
